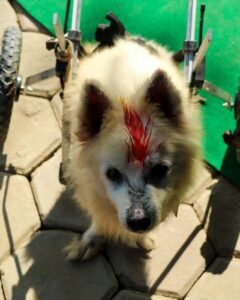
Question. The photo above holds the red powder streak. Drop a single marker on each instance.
(139, 136)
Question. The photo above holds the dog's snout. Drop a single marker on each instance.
(141, 215)
(140, 224)
(138, 220)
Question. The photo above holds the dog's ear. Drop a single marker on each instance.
(163, 94)
(94, 106)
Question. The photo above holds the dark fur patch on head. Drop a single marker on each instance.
(142, 42)
(178, 56)
(163, 94)
(94, 107)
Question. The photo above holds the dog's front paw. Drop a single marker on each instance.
(146, 243)
(83, 248)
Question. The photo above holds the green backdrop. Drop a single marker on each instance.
(165, 22)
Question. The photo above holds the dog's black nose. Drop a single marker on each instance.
(139, 224)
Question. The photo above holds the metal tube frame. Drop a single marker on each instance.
(190, 38)
(76, 19)
(193, 59)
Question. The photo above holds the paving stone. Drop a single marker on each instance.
(18, 216)
(132, 295)
(57, 106)
(40, 271)
(27, 23)
(7, 16)
(56, 205)
(219, 210)
(179, 258)
(203, 177)
(33, 135)
(216, 284)
(36, 58)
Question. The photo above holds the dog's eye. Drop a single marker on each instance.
(114, 175)
(156, 175)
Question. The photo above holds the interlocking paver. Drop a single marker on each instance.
(132, 295)
(203, 177)
(57, 106)
(33, 135)
(219, 210)
(7, 17)
(45, 184)
(18, 217)
(40, 271)
(36, 58)
(215, 284)
(56, 206)
(180, 257)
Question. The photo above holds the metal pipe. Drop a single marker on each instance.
(76, 15)
(76, 19)
(189, 55)
(191, 20)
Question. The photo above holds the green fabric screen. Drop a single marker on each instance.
(165, 22)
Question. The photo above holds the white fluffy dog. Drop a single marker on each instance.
(136, 142)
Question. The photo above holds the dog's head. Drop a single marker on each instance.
(141, 152)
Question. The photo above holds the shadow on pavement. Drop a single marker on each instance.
(66, 214)
(222, 214)
(7, 177)
(222, 220)
(230, 167)
(45, 276)
(45, 272)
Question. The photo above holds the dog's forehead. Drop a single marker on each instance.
(135, 176)
(142, 141)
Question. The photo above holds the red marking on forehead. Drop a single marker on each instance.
(138, 148)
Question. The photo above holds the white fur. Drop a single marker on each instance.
(126, 69)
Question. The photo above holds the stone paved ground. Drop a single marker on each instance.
(197, 253)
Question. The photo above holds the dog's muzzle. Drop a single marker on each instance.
(139, 217)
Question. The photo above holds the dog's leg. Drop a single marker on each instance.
(84, 247)
(145, 243)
